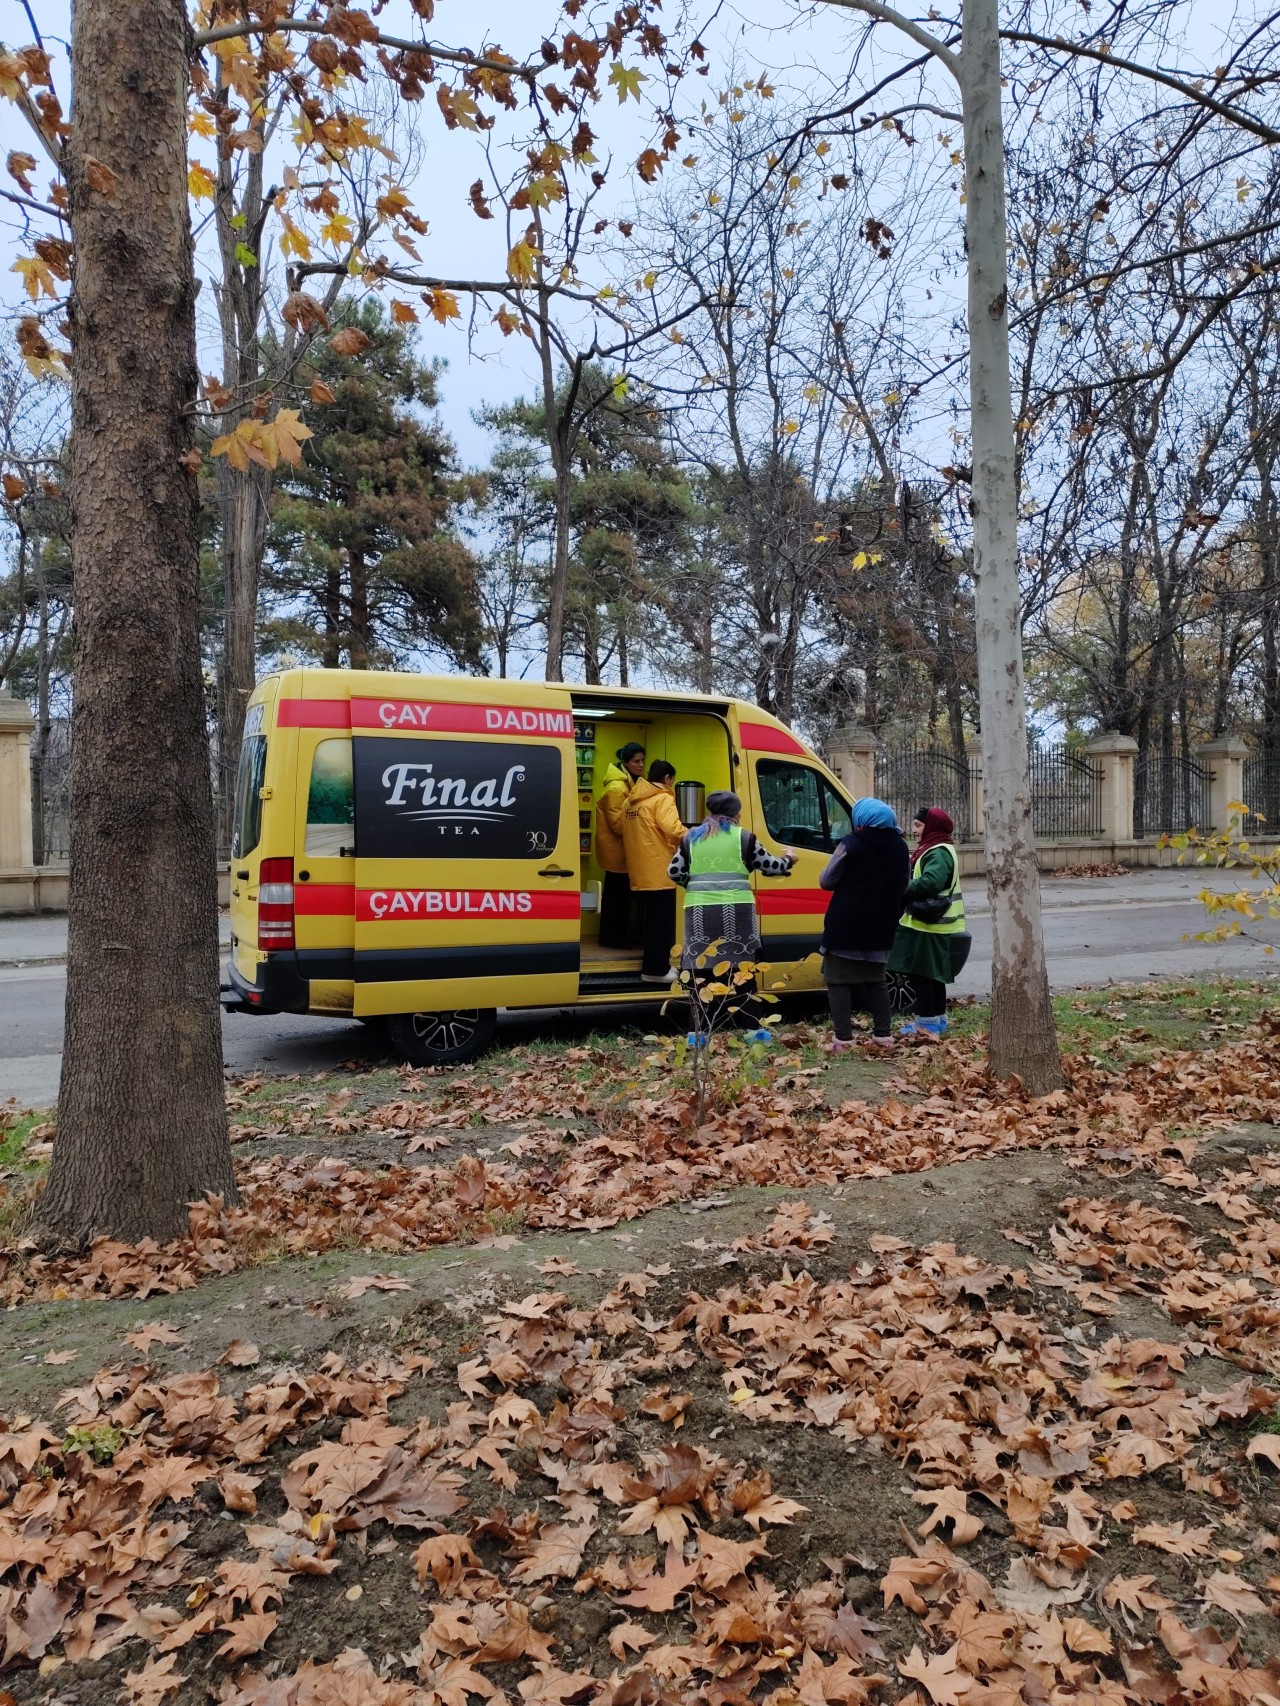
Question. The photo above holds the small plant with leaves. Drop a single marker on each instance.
(100, 1441)
(720, 992)
(1257, 898)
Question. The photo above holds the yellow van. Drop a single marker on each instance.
(420, 848)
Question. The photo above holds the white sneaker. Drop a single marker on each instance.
(667, 977)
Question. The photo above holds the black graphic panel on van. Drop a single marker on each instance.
(452, 799)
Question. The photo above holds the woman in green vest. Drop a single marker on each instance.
(934, 915)
(713, 865)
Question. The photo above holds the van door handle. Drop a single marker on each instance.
(244, 875)
(555, 871)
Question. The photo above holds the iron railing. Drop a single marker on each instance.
(1170, 794)
(1066, 793)
(1260, 791)
(910, 778)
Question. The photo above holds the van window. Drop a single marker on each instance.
(801, 809)
(249, 779)
(331, 811)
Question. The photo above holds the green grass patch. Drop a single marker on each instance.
(20, 1171)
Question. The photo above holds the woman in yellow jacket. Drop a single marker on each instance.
(651, 832)
(615, 891)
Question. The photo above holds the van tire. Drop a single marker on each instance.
(442, 1039)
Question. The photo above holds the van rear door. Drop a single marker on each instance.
(467, 857)
(248, 832)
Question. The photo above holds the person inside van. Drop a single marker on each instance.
(615, 892)
(922, 947)
(713, 865)
(651, 832)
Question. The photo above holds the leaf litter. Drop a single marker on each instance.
(554, 1482)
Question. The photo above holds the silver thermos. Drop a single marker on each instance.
(691, 803)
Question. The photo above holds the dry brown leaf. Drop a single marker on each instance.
(358, 1284)
(721, 1560)
(245, 1635)
(941, 1675)
(1230, 1592)
(660, 1592)
(949, 1505)
(154, 1681)
(240, 1354)
(150, 1333)
(1175, 1538)
(629, 1637)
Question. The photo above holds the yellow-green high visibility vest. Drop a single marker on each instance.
(952, 924)
(717, 874)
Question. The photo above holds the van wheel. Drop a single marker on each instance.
(442, 1039)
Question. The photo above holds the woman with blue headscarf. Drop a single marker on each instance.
(867, 878)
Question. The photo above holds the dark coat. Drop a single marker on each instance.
(869, 883)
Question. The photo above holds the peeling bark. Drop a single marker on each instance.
(1023, 1039)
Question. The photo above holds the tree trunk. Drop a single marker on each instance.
(40, 764)
(243, 502)
(559, 569)
(332, 653)
(1023, 1039)
(142, 1127)
(360, 638)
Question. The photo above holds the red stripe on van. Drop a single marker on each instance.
(764, 737)
(313, 714)
(776, 903)
(324, 900)
(404, 905)
(426, 715)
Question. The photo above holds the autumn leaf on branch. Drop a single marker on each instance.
(443, 305)
(350, 341)
(304, 313)
(20, 167)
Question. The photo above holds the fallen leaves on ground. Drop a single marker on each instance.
(649, 1153)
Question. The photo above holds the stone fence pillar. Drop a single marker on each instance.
(851, 754)
(1114, 755)
(17, 868)
(1224, 758)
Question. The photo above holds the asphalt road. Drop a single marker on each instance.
(1096, 931)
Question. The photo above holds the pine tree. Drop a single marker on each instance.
(365, 567)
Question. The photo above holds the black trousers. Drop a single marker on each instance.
(615, 910)
(844, 999)
(931, 996)
(658, 910)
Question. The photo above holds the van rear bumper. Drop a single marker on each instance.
(277, 987)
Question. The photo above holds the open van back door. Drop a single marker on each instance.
(467, 859)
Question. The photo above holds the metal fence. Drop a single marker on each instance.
(1066, 793)
(1170, 794)
(912, 777)
(1260, 790)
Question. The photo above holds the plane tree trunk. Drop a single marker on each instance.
(1023, 1040)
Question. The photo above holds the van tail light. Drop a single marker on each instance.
(275, 904)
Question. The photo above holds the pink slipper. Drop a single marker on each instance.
(838, 1045)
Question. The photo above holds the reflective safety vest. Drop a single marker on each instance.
(952, 923)
(718, 875)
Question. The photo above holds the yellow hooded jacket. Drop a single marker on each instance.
(651, 832)
(609, 809)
